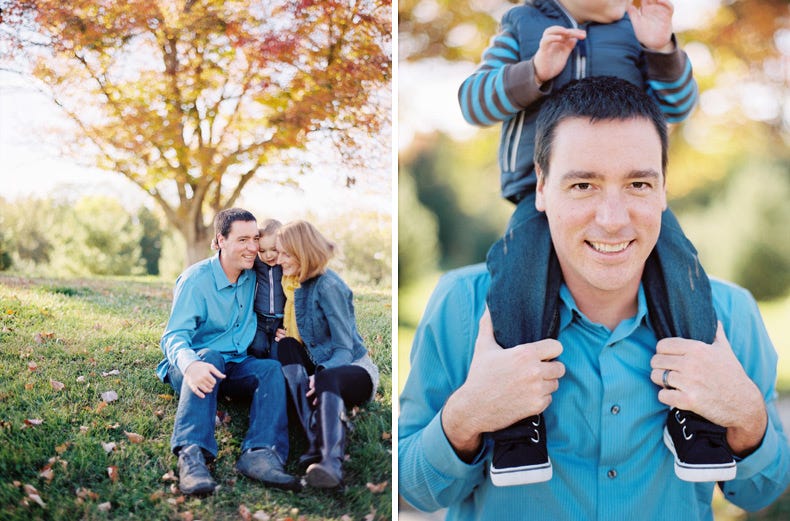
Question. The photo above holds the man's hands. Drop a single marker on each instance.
(503, 386)
(201, 377)
(710, 381)
(653, 24)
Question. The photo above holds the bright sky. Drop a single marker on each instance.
(31, 167)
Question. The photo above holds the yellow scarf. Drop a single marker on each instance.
(290, 283)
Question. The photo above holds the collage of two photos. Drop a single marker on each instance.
(593, 272)
(196, 273)
(350, 260)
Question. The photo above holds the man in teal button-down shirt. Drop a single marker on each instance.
(205, 343)
(601, 384)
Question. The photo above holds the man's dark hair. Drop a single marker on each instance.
(597, 98)
(225, 219)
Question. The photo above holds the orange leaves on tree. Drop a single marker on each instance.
(112, 472)
(323, 74)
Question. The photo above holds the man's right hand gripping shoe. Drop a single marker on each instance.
(520, 454)
(699, 446)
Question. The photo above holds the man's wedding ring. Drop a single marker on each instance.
(664, 379)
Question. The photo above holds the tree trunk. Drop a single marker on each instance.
(198, 241)
(197, 251)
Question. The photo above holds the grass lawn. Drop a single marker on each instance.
(69, 451)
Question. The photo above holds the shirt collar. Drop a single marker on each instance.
(220, 279)
(569, 312)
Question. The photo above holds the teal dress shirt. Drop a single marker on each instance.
(209, 312)
(604, 425)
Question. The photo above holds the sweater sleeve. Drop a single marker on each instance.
(671, 82)
(501, 86)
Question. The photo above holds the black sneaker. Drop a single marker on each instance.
(699, 446)
(520, 455)
(193, 475)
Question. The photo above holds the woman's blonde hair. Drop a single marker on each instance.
(304, 242)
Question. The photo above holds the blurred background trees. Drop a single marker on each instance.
(97, 236)
(729, 169)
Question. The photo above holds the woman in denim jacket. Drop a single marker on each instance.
(325, 363)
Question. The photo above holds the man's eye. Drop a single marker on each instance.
(582, 186)
(640, 185)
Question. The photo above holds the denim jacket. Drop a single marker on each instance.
(325, 317)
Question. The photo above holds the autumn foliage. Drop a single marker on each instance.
(191, 99)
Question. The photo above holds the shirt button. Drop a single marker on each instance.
(615, 409)
(611, 474)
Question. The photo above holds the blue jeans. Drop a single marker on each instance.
(263, 345)
(525, 281)
(257, 380)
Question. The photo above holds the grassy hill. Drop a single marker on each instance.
(69, 451)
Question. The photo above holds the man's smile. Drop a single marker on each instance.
(606, 247)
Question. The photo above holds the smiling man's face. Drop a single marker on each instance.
(603, 197)
(239, 248)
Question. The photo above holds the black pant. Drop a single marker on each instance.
(350, 382)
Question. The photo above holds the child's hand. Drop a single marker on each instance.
(556, 45)
(311, 389)
(280, 334)
(653, 24)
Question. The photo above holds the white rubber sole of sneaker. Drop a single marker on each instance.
(520, 475)
(699, 473)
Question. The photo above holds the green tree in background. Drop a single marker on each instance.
(192, 100)
(418, 249)
(31, 225)
(104, 240)
(459, 183)
(365, 242)
(151, 240)
(5, 251)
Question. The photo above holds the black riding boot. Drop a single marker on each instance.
(328, 473)
(297, 382)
